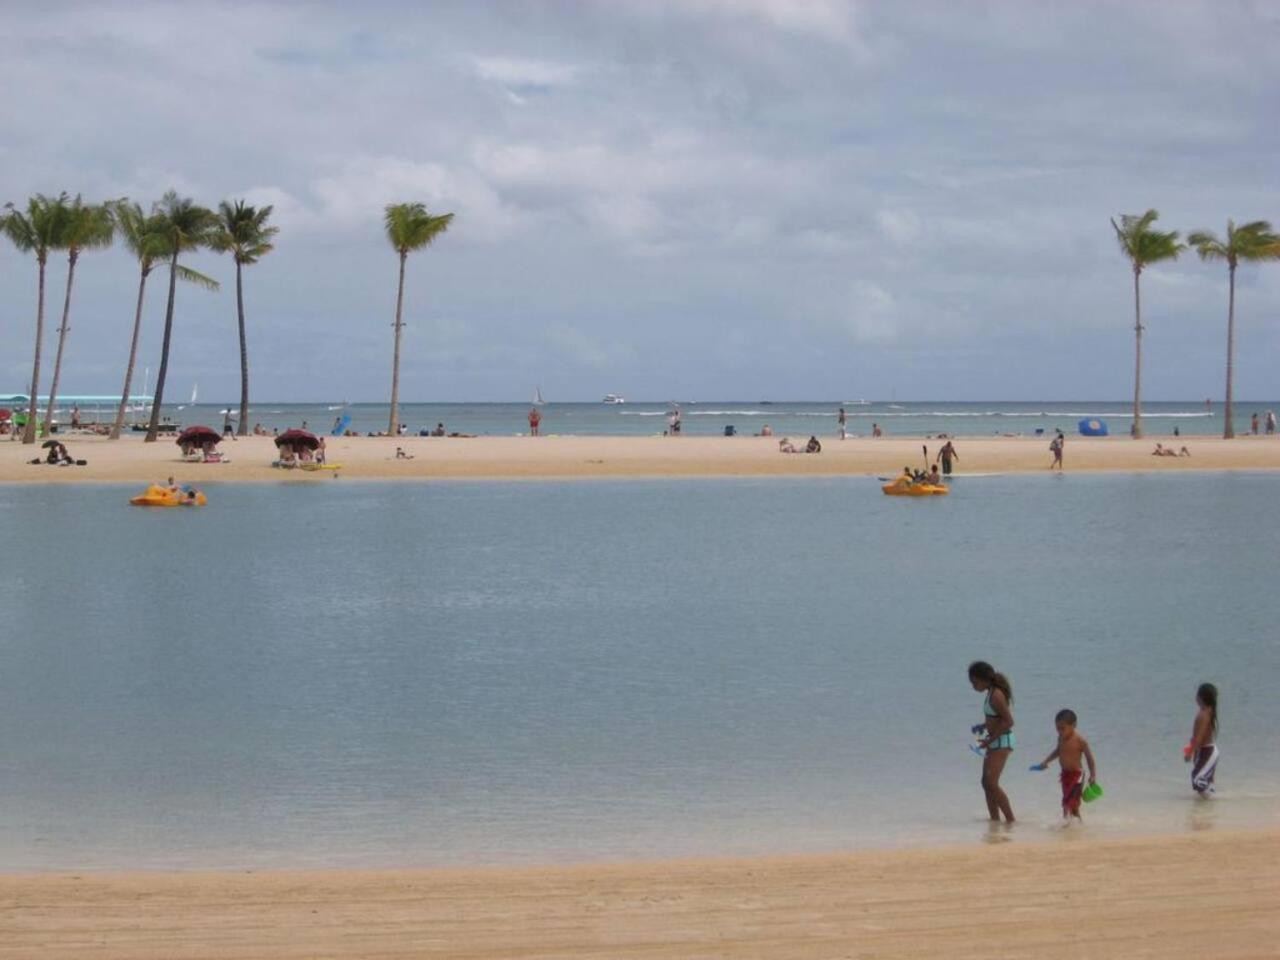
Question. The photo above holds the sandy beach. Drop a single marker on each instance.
(373, 458)
(1194, 896)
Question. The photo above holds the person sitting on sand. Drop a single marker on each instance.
(786, 446)
(259, 430)
(287, 458)
(813, 446)
(401, 455)
(438, 431)
(766, 431)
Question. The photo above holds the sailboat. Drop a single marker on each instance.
(537, 397)
(194, 388)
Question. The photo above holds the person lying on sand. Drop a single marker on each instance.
(1163, 451)
(786, 446)
(401, 455)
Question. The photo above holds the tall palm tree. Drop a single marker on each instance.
(87, 227)
(184, 226)
(1250, 242)
(143, 235)
(1143, 247)
(242, 231)
(36, 230)
(409, 228)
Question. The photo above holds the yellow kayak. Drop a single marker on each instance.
(312, 467)
(156, 496)
(905, 488)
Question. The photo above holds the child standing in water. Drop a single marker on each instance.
(1203, 748)
(1071, 749)
(997, 726)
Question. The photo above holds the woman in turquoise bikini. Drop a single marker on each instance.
(997, 725)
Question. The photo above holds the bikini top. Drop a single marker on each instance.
(987, 709)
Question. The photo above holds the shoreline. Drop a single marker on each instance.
(1184, 895)
(574, 457)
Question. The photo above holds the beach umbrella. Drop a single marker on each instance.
(297, 440)
(1092, 428)
(51, 443)
(198, 436)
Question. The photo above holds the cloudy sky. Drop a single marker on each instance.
(664, 198)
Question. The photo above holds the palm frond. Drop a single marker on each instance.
(187, 275)
(410, 227)
(1143, 245)
(242, 230)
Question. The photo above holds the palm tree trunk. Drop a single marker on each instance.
(1137, 357)
(133, 358)
(393, 424)
(1229, 427)
(153, 429)
(244, 359)
(29, 433)
(62, 339)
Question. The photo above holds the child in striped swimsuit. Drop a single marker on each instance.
(1202, 751)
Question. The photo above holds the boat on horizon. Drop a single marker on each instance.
(613, 398)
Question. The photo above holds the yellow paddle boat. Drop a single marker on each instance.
(903, 487)
(157, 496)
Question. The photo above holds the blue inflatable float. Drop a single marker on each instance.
(1093, 428)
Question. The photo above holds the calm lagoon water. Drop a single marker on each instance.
(394, 674)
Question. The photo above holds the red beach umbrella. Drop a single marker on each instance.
(297, 440)
(198, 436)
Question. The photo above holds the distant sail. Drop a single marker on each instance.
(537, 397)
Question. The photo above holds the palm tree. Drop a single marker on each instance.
(36, 231)
(143, 236)
(243, 231)
(1143, 247)
(86, 227)
(409, 228)
(184, 226)
(1250, 241)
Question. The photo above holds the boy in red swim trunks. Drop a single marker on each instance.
(1069, 752)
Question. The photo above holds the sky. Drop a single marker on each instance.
(688, 199)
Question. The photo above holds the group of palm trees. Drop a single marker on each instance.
(1143, 245)
(173, 227)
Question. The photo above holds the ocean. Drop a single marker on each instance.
(377, 674)
(917, 419)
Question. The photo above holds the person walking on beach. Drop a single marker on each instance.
(1203, 748)
(945, 456)
(1253, 423)
(842, 419)
(228, 425)
(1071, 749)
(1055, 446)
(997, 731)
(535, 418)
(1271, 422)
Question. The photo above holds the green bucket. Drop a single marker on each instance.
(1092, 792)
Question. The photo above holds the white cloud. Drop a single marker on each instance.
(525, 73)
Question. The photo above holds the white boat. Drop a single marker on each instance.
(537, 397)
(613, 398)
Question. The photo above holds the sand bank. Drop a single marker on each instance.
(1190, 896)
(131, 461)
